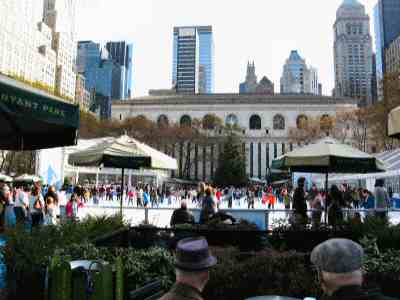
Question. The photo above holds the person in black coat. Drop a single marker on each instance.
(182, 216)
(299, 201)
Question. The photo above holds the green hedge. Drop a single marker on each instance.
(27, 254)
(141, 266)
(286, 237)
(30, 251)
(239, 275)
(265, 273)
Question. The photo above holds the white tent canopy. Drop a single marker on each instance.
(123, 152)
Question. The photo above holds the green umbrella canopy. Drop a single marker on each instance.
(123, 152)
(5, 178)
(32, 119)
(328, 156)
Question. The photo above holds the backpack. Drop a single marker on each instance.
(37, 205)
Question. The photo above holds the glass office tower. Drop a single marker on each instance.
(122, 53)
(193, 59)
(387, 29)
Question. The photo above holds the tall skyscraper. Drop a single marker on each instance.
(26, 42)
(122, 53)
(387, 29)
(106, 77)
(353, 52)
(60, 15)
(193, 61)
(103, 74)
(297, 78)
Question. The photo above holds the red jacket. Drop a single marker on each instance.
(69, 209)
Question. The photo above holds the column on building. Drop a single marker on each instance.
(173, 154)
(263, 160)
(204, 163)
(279, 149)
(212, 161)
(255, 159)
(267, 158)
(194, 172)
(247, 155)
(259, 160)
(271, 153)
(251, 156)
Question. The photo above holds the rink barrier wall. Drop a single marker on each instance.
(160, 217)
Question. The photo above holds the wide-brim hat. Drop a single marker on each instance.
(192, 254)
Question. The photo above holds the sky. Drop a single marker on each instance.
(263, 31)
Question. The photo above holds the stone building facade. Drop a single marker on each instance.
(264, 122)
(26, 43)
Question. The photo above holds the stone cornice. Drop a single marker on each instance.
(234, 99)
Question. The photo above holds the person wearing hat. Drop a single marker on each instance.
(339, 268)
(192, 263)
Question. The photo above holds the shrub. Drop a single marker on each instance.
(382, 268)
(267, 273)
(287, 237)
(141, 266)
(387, 235)
(31, 251)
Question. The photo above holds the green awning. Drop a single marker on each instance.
(328, 156)
(32, 119)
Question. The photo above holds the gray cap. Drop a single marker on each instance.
(338, 256)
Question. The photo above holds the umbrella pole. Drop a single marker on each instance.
(326, 196)
(122, 191)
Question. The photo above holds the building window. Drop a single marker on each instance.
(255, 122)
(210, 121)
(279, 122)
(301, 122)
(186, 121)
(232, 120)
(162, 121)
(326, 123)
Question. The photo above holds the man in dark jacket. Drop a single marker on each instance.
(192, 262)
(299, 201)
(182, 216)
(339, 263)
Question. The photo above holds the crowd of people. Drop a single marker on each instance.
(337, 200)
(43, 205)
(32, 205)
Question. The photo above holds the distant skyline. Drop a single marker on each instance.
(261, 31)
